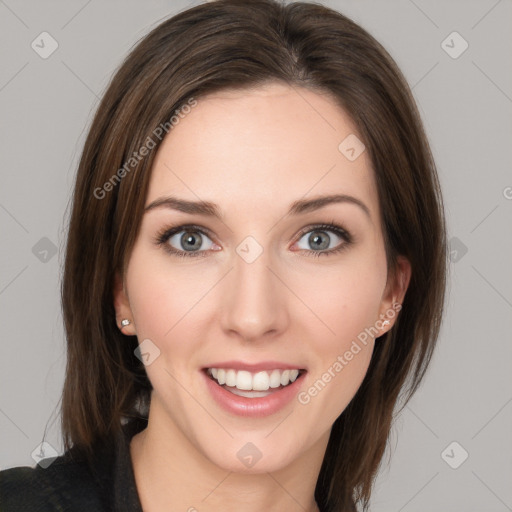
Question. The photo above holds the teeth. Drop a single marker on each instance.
(247, 381)
(231, 378)
(275, 379)
(243, 380)
(260, 381)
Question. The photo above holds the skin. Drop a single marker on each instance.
(253, 153)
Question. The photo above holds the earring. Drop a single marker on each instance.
(385, 323)
(125, 322)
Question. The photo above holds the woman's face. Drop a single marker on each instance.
(258, 289)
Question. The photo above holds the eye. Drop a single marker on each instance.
(322, 242)
(186, 241)
(192, 241)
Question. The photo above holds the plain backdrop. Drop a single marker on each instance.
(452, 447)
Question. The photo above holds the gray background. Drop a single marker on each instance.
(466, 104)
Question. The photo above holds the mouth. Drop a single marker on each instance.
(254, 384)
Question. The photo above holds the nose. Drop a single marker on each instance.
(254, 300)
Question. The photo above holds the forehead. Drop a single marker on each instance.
(261, 149)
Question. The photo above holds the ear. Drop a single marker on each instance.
(396, 287)
(122, 307)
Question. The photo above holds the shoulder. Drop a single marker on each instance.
(76, 483)
(67, 484)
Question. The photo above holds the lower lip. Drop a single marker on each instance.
(253, 407)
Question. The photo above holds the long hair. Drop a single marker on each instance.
(238, 44)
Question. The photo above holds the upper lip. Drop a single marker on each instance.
(255, 367)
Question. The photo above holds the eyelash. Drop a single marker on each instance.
(163, 237)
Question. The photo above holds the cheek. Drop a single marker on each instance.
(348, 302)
(161, 299)
(348, 297)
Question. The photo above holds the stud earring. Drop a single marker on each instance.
(125, 322)
(385, 323)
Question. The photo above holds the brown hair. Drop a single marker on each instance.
(238, 44)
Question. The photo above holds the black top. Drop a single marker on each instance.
(69, 484)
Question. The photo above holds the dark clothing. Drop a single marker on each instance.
(69, 484)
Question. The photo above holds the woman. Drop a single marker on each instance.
(215, 360)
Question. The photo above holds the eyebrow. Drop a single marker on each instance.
(212, 210)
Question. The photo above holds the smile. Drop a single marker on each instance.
(253, 393)
(243, 380)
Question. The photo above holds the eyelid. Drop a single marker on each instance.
(333, 226)
(168, 232)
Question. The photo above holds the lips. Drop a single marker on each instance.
(257, 390)
(254, 367)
